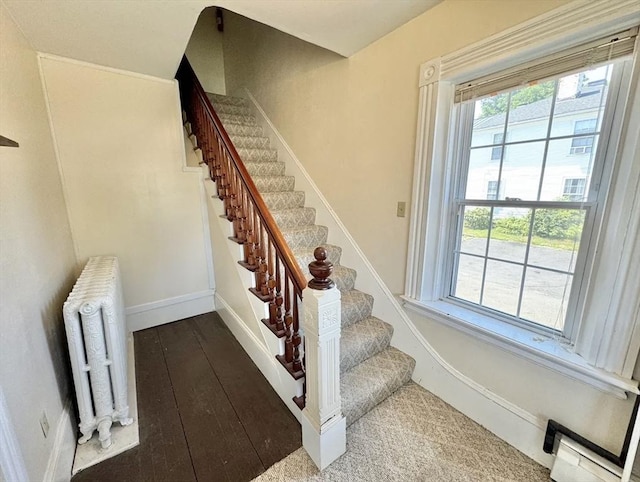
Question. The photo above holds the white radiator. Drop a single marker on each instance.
(96, 333)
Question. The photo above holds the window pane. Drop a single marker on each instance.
(521, 170)
(475, 230)
(529, 112)
(556, 238)
(502, 286)
(482, 170)
(509, 234)
(580, 102)
(490, 116)
(469, 278)
(566, 162)
(545, 297)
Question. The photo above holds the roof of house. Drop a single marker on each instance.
(540, 109)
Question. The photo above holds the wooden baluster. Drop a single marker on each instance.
(264, 266)
(279, 300)
(288, 320)
(296, 340)
(271, 283)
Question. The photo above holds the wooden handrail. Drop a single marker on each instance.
(284, 253)
(279, 280)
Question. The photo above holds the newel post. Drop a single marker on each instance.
(323, 425)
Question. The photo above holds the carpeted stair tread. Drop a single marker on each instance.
(362, 340)
(283, 200)
(222, 108)
(265, 168)
(290, 218)
(304, 255)
(343, 277)
(274, 183)
(258, 155)
(243, 130)
(249, 142)
(300, 236)
(225, 99)
(356, 306)
(372, 381)
(237, 119)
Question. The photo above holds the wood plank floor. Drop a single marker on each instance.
(206, 412)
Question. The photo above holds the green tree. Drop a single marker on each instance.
(498, 103)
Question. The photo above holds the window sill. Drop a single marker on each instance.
(541, 349)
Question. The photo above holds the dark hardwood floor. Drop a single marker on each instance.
(206, 412)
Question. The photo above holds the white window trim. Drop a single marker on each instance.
(604, 362)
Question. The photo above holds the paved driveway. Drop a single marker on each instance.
(544, 290)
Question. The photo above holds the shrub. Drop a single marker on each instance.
(477, 218)
(558, 223)
(518, 225)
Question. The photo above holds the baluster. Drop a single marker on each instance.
(296, 340)
(288, 320)
(279, 300)
(264, 265)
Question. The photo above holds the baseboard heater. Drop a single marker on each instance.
(96, 334)
(580, 460)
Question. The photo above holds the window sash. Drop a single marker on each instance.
(464, 113)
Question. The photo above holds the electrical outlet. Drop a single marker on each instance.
(402, 209)
(44, 424)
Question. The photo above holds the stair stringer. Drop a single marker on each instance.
(508, 421)
(241, 311)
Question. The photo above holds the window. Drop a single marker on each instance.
(513, 249)
(496, 152)
(516, 257)
(573, 189)
(492, 190)
(583, 145)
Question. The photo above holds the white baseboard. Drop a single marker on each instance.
(266, 362)
(64, 446)
(156, 313)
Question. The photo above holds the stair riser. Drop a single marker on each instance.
(284, 200)
(274, 184)
(344, 278)
(232, 109)
(242, 130)
(258, 155)
(311, 237)
(248, 120)
(363, 340)
(250, 142)
(225, 99)
(294, 217)
(265, 168)
(356, 306)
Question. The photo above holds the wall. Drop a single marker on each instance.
(352, 124)
(121, 154)
(37, 261)
(204, 52)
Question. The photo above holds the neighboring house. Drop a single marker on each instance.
(569, 158)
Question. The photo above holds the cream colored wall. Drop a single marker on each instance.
(37, 262)
(352, 124)
(204, 52)
(121, 153)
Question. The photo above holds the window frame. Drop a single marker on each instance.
(603, 363)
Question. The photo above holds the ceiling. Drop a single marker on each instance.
(150, 36)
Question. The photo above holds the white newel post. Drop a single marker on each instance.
(323, 426)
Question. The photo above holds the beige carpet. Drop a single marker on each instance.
(415, 436)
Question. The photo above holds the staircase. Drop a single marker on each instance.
(370, 368)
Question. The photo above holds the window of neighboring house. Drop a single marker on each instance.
(496, 151)
(492, 190)
(583, 145)
(573, 189)
(519, 242)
